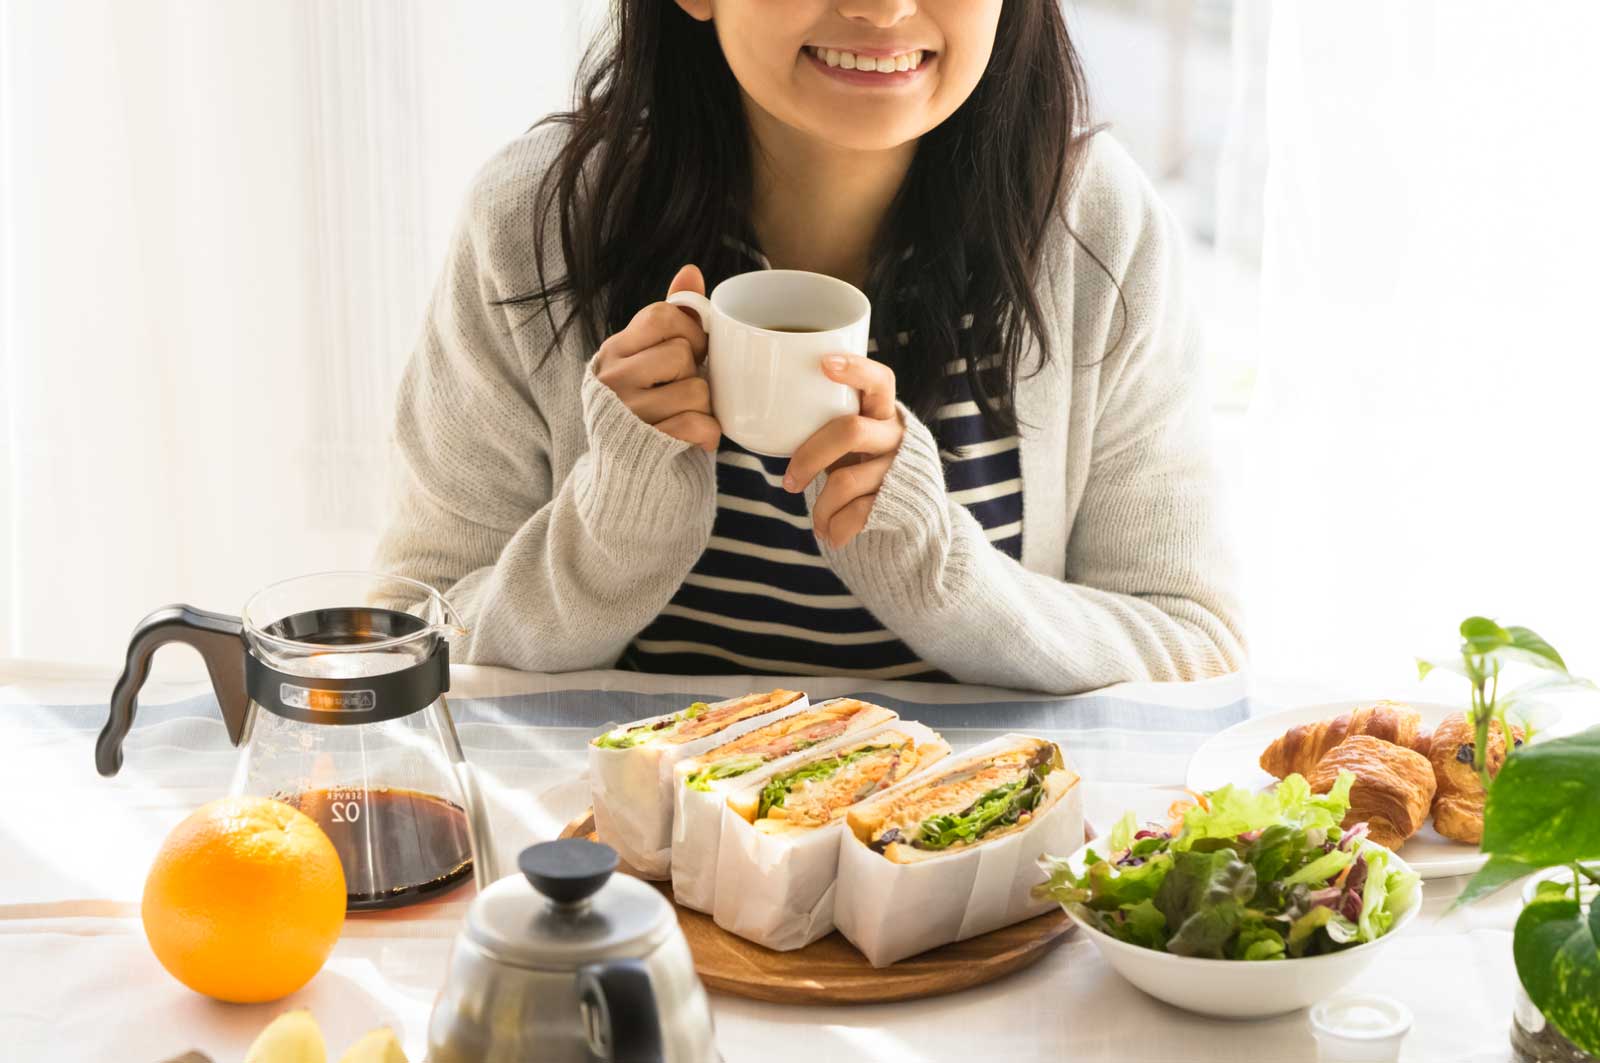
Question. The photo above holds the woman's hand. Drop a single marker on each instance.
(855, 451)
(653, 364)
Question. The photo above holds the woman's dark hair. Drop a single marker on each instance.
(656, 172)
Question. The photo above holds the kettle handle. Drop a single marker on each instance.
(219, 640)
(618, 1006)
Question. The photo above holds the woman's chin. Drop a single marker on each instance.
(865, 129)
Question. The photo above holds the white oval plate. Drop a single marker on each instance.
(1234, 757)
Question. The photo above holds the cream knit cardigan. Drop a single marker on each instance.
(559, 524)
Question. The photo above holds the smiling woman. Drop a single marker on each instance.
(1025, 497)
(806, 70)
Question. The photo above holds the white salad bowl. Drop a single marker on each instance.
(1241, 989)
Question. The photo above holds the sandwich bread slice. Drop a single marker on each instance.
(698, 721)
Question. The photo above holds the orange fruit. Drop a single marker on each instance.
(245, 900)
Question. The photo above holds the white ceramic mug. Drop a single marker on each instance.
(768, 391)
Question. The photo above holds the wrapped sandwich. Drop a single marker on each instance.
(780, 834)
(701, 785)
(954, 853)
(630, 770)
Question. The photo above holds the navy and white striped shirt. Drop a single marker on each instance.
(761, 599)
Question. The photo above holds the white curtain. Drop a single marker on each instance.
(1424, 440)
(219, 224)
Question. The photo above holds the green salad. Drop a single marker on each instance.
(1240, 876)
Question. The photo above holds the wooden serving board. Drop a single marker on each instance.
(831, 971)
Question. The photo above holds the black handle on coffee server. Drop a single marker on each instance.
(219, 640)
(618, 1005)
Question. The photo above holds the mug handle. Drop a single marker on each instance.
(695, 302)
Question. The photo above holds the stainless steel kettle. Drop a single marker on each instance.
(567, 962)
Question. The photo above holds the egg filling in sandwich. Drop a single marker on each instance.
(967, 803)
(819, 790)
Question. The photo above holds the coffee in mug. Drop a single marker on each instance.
(768, 333)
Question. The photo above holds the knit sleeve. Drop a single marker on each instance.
(547, 576)
(1149, 591)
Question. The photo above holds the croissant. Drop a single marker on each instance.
(1458, 807)
(1300, 748)
(1393, 789)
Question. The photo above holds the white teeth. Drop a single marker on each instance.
(887, 64)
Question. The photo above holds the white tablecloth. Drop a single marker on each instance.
(77, 981)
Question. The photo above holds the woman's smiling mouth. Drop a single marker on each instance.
(857, 68)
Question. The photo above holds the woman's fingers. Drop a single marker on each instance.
(670, 360)
(837, 439)
(652, 366)
(655, 324)
(848, 522)
(691, 427)
(844, 487)
(874, 380)
(688, 279)
(654, 405)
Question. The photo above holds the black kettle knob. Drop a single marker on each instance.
(569, 870)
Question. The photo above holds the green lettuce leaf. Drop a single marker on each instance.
(1400, 893)
(1206, 933)
(1203, 899)
(1301, 930)
(1122, 833)
(776, 791)
(1278, 848)
(634, 736)
(1374, 893)
(1303, 937)
(1259, 938)
(1103, 886)
(1320, 870)
(1000, 807)
(1235, 811)
(1144, 925)
(1108, 887)
(730, 768)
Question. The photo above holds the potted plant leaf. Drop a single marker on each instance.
(1542, 812)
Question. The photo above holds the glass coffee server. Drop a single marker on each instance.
(333, 687)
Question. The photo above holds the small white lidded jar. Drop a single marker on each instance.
(1359, 1029)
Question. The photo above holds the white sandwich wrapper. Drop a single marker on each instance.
(778, 889)
(890, 911)
(632, 789)
(697, 815)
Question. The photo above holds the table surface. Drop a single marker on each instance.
(77, 981)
